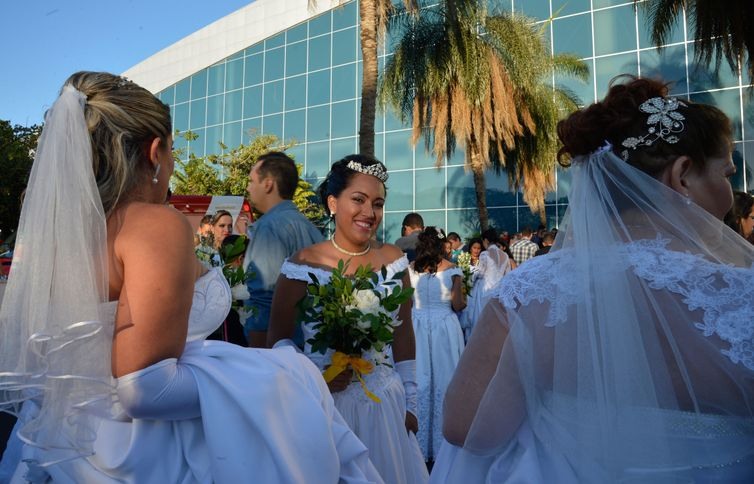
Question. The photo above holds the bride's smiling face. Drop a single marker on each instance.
(359, 208)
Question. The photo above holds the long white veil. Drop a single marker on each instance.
(55, 350)
(630, 348)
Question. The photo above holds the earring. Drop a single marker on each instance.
(156, 172)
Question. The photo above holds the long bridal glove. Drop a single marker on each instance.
(166, 390)
(407, 371)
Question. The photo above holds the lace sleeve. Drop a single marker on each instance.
(301, 272)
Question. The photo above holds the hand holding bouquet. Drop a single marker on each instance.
(464, 263)
(353, 314)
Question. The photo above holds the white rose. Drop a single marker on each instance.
(239, 292)
(366, 302)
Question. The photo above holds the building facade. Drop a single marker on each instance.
(285, 68)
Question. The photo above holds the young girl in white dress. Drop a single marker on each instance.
(439, 341)
(354, 195)
(102, 327)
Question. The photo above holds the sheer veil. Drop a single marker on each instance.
(630, 348)
(55, 340)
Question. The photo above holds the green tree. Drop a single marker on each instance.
(373, 20)
(228, 173)
(723, 29)
(17, 144)
(484, 82)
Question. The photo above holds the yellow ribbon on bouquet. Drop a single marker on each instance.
(360, 366)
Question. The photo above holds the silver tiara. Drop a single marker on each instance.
(664, 120)
(376, 170)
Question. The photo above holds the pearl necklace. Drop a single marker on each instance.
(348, 252)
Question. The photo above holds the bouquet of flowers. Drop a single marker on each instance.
(464, 262)
(353, 314)
(233, 271)
(205, 251)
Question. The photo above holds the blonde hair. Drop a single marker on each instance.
(123, 119)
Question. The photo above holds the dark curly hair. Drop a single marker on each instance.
(340, 176)
(429, 250)
(706, 133)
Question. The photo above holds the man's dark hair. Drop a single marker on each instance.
(454, 236)
(548, 238)
(526, 231)
(282, 169)
(413, 220)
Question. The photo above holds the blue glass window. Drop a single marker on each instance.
(398, 152)
(400, 191)
(423, 158)
(273, 64)
(729, 102)
(299, 32)
(614, 30)
(319, 52)
(183, 91)
(273, 97)
(319, 88)
(344, 82)
(583, 89)
(253, 70)
(214, 110)
(461, 192)
(320, 24)
(318, 124)
(342, 147)
(255, 49)
(536, 9)
(676, 33)
(251, 129)
(275, 41)
(252, 102)
(704, 77)
(295, 92)
(232, 135)
(199, 84)
(345, 16)
(344, 46)
(198, 113)
(181, 117)
(168, 95)
(216, 79)
(607, 68)
(295, 59)
(234, 75)
(214, 137)
(463, 222)
(273, 125)
(344, 119)
(317, 159)
(499, 194)
(668, 64)
(573, 35)
(502, 219)
(233, 105)
(295, 126)
(196, 147)
(567, 7)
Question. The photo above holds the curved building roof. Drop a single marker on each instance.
(222, 38)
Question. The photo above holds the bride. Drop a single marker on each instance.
(626, 353)
(103, 325)
(354, 195)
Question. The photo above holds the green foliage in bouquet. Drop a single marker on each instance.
(353, 313)
(230, 254)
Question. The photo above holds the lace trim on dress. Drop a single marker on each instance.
(300, 272)
(724, 294)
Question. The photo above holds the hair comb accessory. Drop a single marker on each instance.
(664, 121)
(376, 170)
(440, 235)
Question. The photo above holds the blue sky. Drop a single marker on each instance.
(45, 41)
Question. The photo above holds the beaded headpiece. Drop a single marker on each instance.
(664, 120)
(376, 170)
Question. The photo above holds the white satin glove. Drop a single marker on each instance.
(406, 369)
(166, 390)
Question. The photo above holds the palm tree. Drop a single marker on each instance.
(485, 82)
(373, 17)
(723, 28)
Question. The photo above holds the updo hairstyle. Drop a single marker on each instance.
(218, 215)
(340, 176)
(742, 204)
(706, 132)
(429, 250)
(123, 119)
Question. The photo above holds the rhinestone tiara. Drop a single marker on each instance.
(664, 123)
(376, 170)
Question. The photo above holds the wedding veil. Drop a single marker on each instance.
(630, 348)
(55, 350)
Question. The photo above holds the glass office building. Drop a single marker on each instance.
(302, 83)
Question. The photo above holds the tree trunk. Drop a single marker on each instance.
(480, 188)
(368, 19)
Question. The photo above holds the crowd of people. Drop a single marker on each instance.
(616, 348)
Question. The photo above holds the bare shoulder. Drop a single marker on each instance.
(391, 251)
(446, 264)
(148, 224)
(311, 255)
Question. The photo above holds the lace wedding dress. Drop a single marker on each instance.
(260, 408)
(493, 265)
(625, 355)
(439, 343)
(381, 426)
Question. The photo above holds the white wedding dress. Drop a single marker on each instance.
(267, 416)
(439, 343)
(381, 426)
(493, 265)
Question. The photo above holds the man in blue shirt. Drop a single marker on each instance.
(279, 233)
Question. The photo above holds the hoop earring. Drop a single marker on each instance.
(156, 172)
